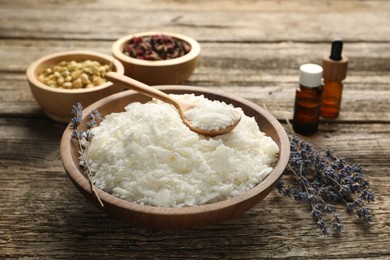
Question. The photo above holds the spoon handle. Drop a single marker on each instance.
(140, 87)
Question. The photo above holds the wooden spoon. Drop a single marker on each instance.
(181, 106)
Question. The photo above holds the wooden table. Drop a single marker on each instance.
(252, 49)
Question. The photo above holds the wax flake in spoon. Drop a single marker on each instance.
(212, 115)
(208, 124)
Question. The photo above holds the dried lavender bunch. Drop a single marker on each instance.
(323, 180)
(156, 47)
(83, 137)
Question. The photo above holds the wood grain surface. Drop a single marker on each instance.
(251, 49)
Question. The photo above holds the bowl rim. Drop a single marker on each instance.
(31, 70)
(118, 46)
(75, 174)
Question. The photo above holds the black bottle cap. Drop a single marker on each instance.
(337, 49)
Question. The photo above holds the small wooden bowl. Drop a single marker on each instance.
(57, 103)
(173, 218)
(161, 72)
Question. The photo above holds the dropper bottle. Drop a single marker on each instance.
(335, 71)
(308, 99)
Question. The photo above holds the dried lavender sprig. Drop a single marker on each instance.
(83, 137)
(336, 223)
(323, 178)
(347, 178)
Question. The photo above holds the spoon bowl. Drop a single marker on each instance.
(180, 105)
(212, 132)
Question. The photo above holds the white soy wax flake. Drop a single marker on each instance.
(212, 115)
(148, 156)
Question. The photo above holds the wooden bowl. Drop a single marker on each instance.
(57, 103)
(161, 72)
(173, 218)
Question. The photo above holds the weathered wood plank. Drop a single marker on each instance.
(254, 21)
(62, 223)
(277, 97)
(246, 62)
(263, 73)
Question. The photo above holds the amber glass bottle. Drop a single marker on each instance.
(335, 71)
(308, 99)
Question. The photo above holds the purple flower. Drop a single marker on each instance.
(323, 180)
